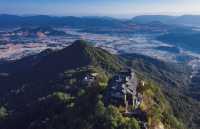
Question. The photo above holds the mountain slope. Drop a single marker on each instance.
(167, 74)
(36, 81)
(51, 92)
(43, 69)
(192, 20)
(174, 80)
(79, 54)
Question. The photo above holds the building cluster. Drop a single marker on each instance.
(123, 88)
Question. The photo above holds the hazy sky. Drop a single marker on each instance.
(100, 7)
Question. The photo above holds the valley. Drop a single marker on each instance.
(120, 43)
(144, 44)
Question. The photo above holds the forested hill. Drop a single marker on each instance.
(175, 82)
(79, 54)
(68, 89)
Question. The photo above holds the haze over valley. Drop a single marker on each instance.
(115, 35)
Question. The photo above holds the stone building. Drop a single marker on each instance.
(123, 89)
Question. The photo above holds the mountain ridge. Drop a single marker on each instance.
(53, 91)
(74, 21)
(190, 20)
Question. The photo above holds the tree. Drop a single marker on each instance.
(3, 113)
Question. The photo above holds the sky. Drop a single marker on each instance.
(120, 8)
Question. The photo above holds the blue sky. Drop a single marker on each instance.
(100, 7)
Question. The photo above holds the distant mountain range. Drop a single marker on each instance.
(14, 20)
(143, 19)
(191, 20)
(43, 20)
